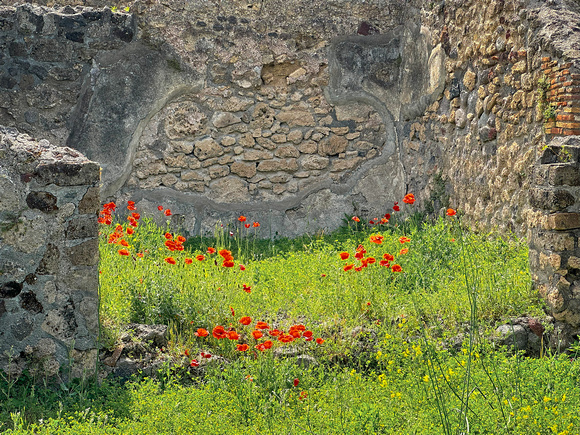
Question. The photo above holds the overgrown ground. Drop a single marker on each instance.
(398, 346)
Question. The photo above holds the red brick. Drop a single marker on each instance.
(565, 71)
(546, 59)
(572, 110)
(568, 83)
(565, 118)
(566, 65)
(570, 132)
(568, 97)
(562, 79)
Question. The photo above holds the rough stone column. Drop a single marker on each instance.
(49, 202)
(553, 240)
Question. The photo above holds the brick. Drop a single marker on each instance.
(569, 97)
(566, 65)
(572, 110)
(546, 59)
(570, 132)
(571, 125)
(565, 118)
(566, 82)
(564, 221)
(565, 71)
(575, 76)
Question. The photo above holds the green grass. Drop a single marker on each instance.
(385, 365)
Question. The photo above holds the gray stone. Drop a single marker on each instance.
(513, 336)
(207, 148)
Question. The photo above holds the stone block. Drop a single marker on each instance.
(314, 162)
(333, 145)
(296, 118)
(564, 174)
(85, 253)
(68, 174)
(553, 241)
(287, 151)
(82, 227)
(245, 170)
(551, 199)
(207, 148)
(288, 165)
(91, 201)
(43, 201)
(564, 221)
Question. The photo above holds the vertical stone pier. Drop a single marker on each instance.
(554, 235)
(49, 254)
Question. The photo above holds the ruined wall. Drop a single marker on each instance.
(49, 201)
(220, 108)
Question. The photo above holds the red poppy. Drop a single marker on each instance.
(396, 268)
(180, 239)
(225, 253)
(303, 395)
(186, 352)
(194, 363)
(348, 267)
(110, 206)
(285, 338)
(228, 263)
(136, 216)
(356, 219)
(358, 268)
(344, 255)
(384, 263)
(409, 198)
(233, 312)
(131, 205)
(294, 333)
(396, 208)
(296, 382)
(377, 238)
(242, 347)
(403, 251)
(257, 334)
(384, 221)
(319, 340)
(170, 244)
(130, 231)
(188, 261)
(170, 260)
(371, 222)
(201, 333)
(159, 208)
(246, 320)
(268, 344)
(307, 334)
(219, 332)
(361, 248)
(359, 255)
(140, 255)
(404, 239)
(205, 355)
(387, 216)
(167, 212)
(260, 347)
(242, 267)
(388, 257)
(262, 325)
(123, 252)
(256, 224)
(247, 225)
(168, 236)
(124, 243)
(199, 257)
(371, 260)
(299, 327)
(247, 288)
(451, 212)
(233, 335)
(274, 332)
(242, 219)
(211, 250)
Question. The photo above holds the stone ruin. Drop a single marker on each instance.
(215, 109)
(49, 200)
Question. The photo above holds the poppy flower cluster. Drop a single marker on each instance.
(259, 331)
(174, 244)
(105, 215)
(360, 256)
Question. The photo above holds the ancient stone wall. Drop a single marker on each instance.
(49, 202)
(220, 108)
